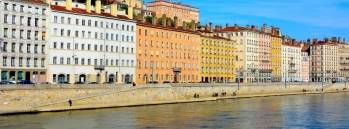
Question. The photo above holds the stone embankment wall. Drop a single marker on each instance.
(56, 99)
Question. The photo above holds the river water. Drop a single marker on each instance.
(327, 111)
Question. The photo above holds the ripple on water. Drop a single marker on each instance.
(303, 111)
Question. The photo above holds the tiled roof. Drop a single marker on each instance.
(170, 28)
(84, 12)
(305, 48)
(239, 28)
(321, 42)
(176, 3)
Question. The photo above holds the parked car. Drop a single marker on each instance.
(25, 82)
(7, 82)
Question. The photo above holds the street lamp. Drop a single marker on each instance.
(239, 72)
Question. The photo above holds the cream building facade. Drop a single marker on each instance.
(247, 51)
(90, 46)
(324, 60)
(291, 61)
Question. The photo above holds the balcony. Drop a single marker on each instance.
(177, 69)
(344, 62)
(265, 70)
(99, 67)
(292, 71)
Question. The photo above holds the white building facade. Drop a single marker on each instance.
(88, 46)
(23, 40)
(247, 51)
(291, 62)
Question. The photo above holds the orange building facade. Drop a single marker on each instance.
(184, 13)
(166, 54)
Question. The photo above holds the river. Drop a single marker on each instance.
(326, 111)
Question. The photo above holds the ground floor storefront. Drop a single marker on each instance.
(64, 78)
(35, 76)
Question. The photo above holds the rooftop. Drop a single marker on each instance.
(84, 12)
(177, 3)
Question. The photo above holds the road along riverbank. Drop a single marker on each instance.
(57, 98)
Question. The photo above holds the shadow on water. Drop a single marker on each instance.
(303, 111)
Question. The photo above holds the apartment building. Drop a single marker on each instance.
(217, 58)
(90, 46)
(324, 59)
(184, 13)
(276, 43)
(23, 40)
(291, 60)
(167, 53)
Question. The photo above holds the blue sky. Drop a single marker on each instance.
(300, 19)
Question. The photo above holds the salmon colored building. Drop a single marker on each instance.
(184, 13)
(166, 54)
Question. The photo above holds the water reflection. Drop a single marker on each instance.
(308, 111)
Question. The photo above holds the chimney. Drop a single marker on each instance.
(184, 25)
(68, 4)
(153, 20)
(226, 25)
(253, 27)
(163, 20)
(210, 26)
(88, 6)
(326, 40)
(114, 9)
(175, 19)
(130, 10)
(308, 41)
(98, 6)
(48, 2)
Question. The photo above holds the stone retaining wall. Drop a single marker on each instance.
(33, 100)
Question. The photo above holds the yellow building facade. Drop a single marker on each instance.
(276, 43)
(217, 59)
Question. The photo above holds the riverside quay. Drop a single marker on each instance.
(131, 42)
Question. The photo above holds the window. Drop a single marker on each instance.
(35, 62)
(61, 60)
(20, 61)
(29, 21)
(68, 61)
(13, 61)
(13, 7)
(43, 62)
(5, 18)
(21, 47)
(28, 48)
(14, 19)
(13, 47)
(36, 48)
(13, 33)
(69, 20)
(62, 20)
(21, 20)
(55, 19)
(76, 61)
(4, 61)
(5, 32)
(54, 60)
(36, 22)
(28, 62)
(29, 34)
(21, 33)
(42, 49)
